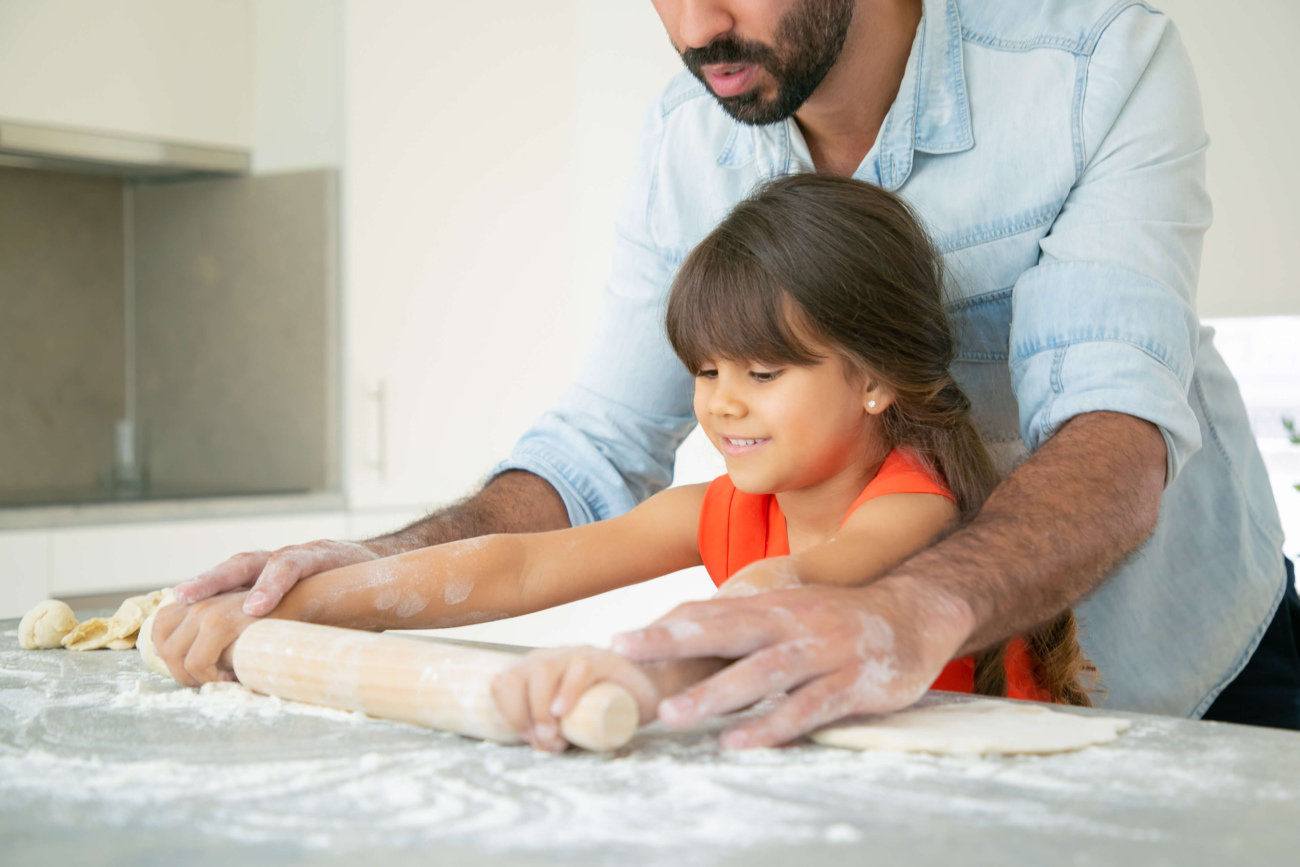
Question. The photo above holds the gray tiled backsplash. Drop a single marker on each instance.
(236, 335)
(61, 331)
(236, 292)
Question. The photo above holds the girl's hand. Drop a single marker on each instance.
(776, 573)
(547, 684)
(191, 639)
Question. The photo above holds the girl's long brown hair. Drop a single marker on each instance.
(851, 264)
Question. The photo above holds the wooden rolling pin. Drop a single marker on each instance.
(440, 686)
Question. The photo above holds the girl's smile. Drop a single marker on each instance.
(802, 432)
(737, 446)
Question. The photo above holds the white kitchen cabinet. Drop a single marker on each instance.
(152, 69)
(481, 184)
(104, 559)
(23, 566)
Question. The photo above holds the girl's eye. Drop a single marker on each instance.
(764, 375)
(706, 374)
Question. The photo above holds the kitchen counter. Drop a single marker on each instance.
(102, 762)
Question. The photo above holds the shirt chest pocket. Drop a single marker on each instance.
(980, 280)
(982, 329)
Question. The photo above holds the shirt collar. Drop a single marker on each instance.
(931, 113)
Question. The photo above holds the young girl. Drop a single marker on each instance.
(813, 320)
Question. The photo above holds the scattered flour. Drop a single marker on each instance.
(841, 832)
(104, 743)
(225, 702)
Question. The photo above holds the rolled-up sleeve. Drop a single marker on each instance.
(1107, 319)
(611, 439)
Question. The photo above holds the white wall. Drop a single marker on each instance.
(484, 164)
(624, 59)
(483, 170)
(1249, 72)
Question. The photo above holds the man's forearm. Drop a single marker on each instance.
(513, 502)
(1052, 531)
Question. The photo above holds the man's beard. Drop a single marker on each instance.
(808, 42)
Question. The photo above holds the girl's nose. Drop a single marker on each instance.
(724, 402)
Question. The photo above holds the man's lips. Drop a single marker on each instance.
(737, 446)
(730, 79)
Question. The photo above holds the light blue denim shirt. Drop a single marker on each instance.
(1056, 151)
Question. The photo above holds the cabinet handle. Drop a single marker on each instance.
(379, 395)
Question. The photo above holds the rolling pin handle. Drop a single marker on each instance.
(604, 719)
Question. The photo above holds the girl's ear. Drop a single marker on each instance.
(876, 397)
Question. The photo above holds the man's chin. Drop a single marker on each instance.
(752, 108)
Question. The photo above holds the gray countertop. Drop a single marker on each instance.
(102, 762)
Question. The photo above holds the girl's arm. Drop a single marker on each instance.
(472, 581)
(493, 577)
(547, 683)
(879, 535)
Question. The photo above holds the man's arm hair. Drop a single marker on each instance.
(513, 502)
(1053, 531)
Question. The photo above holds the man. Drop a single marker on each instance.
(1056, 152)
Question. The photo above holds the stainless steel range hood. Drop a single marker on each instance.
(59, 149)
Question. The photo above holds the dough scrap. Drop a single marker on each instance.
(44, 625)
(117, 632)
(127, 643)
(90, 634)
(131, 615)
(144, 641)
(974, 728)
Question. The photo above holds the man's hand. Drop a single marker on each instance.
(1049, 534)
(191, 639)
(837, 651)
(513, 502)
(271, 574)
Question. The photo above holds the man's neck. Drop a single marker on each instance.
(841, 119)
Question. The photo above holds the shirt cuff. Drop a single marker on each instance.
(1091, 338)
(567, 485)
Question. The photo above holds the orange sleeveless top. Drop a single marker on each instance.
(737, 529)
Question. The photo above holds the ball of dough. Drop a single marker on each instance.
(44, 626)
(144, 641)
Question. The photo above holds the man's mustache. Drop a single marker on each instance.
(729, 50)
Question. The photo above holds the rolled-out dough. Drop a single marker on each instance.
(44, 626)
(972, 728)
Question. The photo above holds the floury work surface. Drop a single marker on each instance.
(102, 762)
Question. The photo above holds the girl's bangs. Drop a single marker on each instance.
(725, 305)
